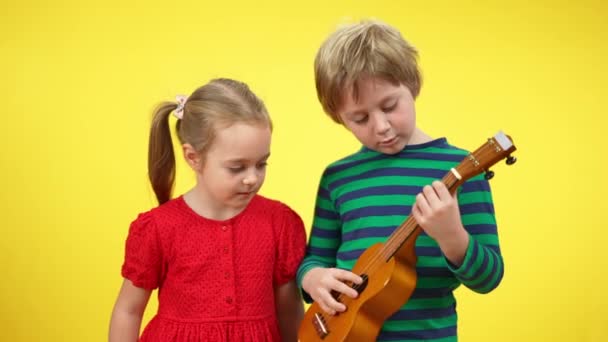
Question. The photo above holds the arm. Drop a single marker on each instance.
(290, 310)
(324, 238)
(128, 312)
(437, 212)
(483, 267)
(465, 230)
(317, 275)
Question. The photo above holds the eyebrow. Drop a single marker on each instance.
(362, 111)
(242, 160)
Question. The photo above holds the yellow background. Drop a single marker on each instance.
(78, 80)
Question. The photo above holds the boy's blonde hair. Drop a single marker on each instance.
(366, 49)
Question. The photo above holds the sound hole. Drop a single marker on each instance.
(361, 287)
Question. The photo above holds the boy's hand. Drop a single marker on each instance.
(319, 282)
(437, 212)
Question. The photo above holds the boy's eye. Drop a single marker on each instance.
(360, 120)
(389, 108)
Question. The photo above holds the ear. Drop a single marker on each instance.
(192, 157)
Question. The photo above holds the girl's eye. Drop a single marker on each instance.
(236, 169)
(262, 165)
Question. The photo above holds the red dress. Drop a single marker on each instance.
(215, 279)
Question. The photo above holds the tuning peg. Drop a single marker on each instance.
(511, 160)
(489, 174)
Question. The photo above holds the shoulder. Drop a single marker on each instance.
(274, 212)
(438, 145)
(434, 154)
(158, 216)
(273, 207)
(362, 156)
(445, 145)
(283, 221)
(172, 206)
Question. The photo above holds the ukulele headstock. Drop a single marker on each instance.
(499, 147)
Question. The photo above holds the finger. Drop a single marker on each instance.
(416, 212)
(345, 289)
(442, 191)
(326, 308)
(348, 276)
(332, 304)
(320, 298)
(431, 196)
(422, 205)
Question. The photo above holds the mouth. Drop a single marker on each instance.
(388, 142)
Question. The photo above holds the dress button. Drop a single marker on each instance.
(225, 249)
(229, 300)
(227, 275)
(224, 228)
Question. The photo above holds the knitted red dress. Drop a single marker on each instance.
(215, 279)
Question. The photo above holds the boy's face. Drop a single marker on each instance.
(384, 117)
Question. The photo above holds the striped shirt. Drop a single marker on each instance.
(365, 196)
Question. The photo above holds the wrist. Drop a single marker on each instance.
(454, 246)
(306, 278)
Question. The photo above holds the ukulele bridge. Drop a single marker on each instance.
(320, 325)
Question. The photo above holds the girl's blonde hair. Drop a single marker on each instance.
(220, 102)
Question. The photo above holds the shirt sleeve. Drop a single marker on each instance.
(142, 264)
(291, 246)
(325, 236)
(482, 268)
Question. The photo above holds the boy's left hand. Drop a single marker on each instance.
(437, 212)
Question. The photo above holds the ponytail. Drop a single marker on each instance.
(161, 158)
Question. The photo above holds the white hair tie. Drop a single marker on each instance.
(181, 103)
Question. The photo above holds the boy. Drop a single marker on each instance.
(367, 79)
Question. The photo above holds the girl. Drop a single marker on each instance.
(223, 258)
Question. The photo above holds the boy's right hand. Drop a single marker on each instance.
(319, 283)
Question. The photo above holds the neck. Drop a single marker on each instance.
(199, 201)
(419, 137)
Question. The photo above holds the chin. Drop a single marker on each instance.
(393, 149)
(244, 198)
(390, 151)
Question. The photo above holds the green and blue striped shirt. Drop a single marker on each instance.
(365, 196)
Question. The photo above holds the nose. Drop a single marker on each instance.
(251, 178)
(381, 123)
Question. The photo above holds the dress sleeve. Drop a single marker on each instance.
(291, 246)
(142, 264)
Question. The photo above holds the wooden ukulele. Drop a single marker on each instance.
(389, 269)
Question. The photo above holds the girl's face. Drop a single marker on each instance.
(234, 167)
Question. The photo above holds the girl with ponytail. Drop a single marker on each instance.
(222, 257)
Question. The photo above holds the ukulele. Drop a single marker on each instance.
(388, 269)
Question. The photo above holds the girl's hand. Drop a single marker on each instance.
(437, 213)
(319, 283)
